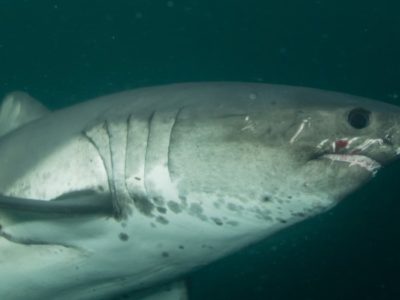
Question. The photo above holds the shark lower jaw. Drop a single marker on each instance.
(370, 165)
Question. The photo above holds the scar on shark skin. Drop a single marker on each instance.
(299, 130)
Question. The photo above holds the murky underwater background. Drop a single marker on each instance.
(64, 52)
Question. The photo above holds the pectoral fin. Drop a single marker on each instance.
(70, 204)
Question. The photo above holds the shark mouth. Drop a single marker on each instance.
(354, 152)
(362, 161)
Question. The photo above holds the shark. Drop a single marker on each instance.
(123, 196)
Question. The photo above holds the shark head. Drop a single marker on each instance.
(335, 149)
(282, 154)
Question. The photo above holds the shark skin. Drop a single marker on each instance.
(127, 193)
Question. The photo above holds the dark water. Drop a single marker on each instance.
(64, 52)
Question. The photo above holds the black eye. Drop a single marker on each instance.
(358, 118)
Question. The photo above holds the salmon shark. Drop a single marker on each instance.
(125, 195)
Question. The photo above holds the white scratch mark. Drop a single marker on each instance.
(248, 127)
(320, 145)
(368, 143)
(250, 124)
(352, 140)
(299, 130)
(334, 146)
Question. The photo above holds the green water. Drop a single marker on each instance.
(64, 52)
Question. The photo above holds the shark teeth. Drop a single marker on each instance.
(356, 160)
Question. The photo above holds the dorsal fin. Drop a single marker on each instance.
(17, 109)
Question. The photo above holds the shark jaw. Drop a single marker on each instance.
(365, 162)
(355, 152)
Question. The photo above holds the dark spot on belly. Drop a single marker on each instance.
(196, 210)
(165, 254)
(266, 199)
(144, 205)
(161, 210)
(138, 178)
(181, 247)
(123, 236)
(158, 201)
(162, 220)
(232, 207)
(173, 206)
(217, 221)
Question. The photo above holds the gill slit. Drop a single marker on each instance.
(179, 111)
(149, 124)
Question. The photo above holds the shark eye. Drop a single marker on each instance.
(358, 118)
